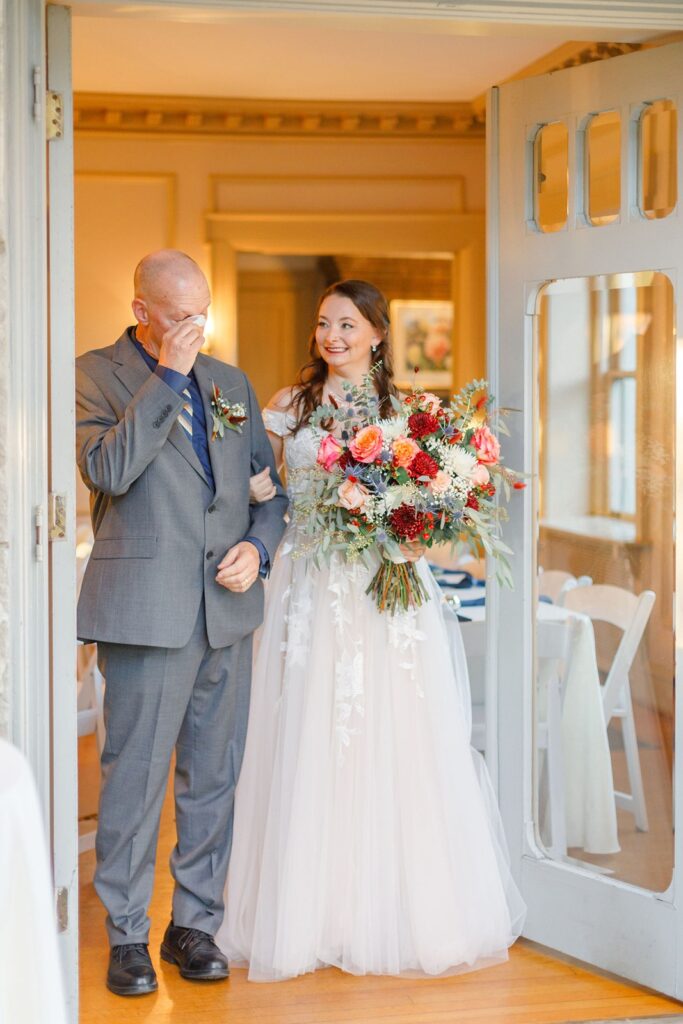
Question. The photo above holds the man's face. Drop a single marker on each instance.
(174, 301)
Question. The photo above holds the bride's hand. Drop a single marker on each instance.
(261, 487)
(412, 550)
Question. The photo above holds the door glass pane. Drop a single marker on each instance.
(658, 164)
(604, 638)
(603, 167)
(551, 177)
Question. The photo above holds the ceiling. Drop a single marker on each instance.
(304, 55)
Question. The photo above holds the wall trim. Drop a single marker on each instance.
(163, 177)
(191, 117)
(459, 236)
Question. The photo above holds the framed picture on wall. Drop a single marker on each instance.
(422, 334)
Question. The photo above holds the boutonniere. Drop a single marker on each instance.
(225, 414)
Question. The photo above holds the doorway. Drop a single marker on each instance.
(231, 230)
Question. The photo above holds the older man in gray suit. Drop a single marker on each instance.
(171, 595)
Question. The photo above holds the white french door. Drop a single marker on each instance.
(586, 253)
(60, 514)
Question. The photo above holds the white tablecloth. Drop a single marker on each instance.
(589, 786)
(31, 990)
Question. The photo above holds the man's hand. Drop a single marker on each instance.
(180, 345)
(261, 487)
(239, 569)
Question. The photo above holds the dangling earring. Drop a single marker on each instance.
(374, 349)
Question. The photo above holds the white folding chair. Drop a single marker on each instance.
(474, 641)
(621, 608)
(556, 584)
(552, 640)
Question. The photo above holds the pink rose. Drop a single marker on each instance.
(432, 403)
(352, 494)
(329, 452)
(480, 475)
(367, 444)
(404, 450)
(487, 446)
(440, 483)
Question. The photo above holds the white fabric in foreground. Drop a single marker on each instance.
(366, 832)
(31, 990)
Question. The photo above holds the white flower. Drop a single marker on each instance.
(458, 461)
(393, 428)
(400, 495)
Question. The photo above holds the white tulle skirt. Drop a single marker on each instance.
(366, 832)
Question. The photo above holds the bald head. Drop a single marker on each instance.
(169, 288)
(162, 272)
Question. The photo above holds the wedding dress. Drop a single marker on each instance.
(366, 833)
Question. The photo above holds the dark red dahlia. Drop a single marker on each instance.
(423, 465)
(472, 502)
(422, 423)
(345, 459)
(406, 522)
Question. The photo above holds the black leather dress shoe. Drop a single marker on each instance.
(194, 953)
(130, 971)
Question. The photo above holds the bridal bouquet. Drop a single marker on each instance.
(428, 474)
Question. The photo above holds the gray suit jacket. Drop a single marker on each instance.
(159, 530)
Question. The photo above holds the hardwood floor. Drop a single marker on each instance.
(532, 988)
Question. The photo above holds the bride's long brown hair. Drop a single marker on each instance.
(372, 305)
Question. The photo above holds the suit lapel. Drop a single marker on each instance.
(132, 371)
(205, 385)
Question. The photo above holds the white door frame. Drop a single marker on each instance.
(25, 177)
(61, 551)
(23, 277)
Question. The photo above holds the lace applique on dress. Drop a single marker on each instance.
(405, 637)
(349, 693)
(298, 617)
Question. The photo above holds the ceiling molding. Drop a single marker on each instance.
(651, 15)
(192, 117)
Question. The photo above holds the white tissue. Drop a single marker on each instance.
(200, 320)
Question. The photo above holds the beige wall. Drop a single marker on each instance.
(135, 194)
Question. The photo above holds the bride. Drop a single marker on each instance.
(366, 834)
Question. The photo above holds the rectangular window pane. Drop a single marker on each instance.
(551, 177)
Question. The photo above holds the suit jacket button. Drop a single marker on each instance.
(211, 508)
(209, 554)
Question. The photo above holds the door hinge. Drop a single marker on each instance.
(54, 115)
(38, 533)
(56, 516)
(62, 908)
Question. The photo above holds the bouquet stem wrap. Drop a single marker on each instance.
(397, 587)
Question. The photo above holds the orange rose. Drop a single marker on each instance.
(404, 450)
(367, 444)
